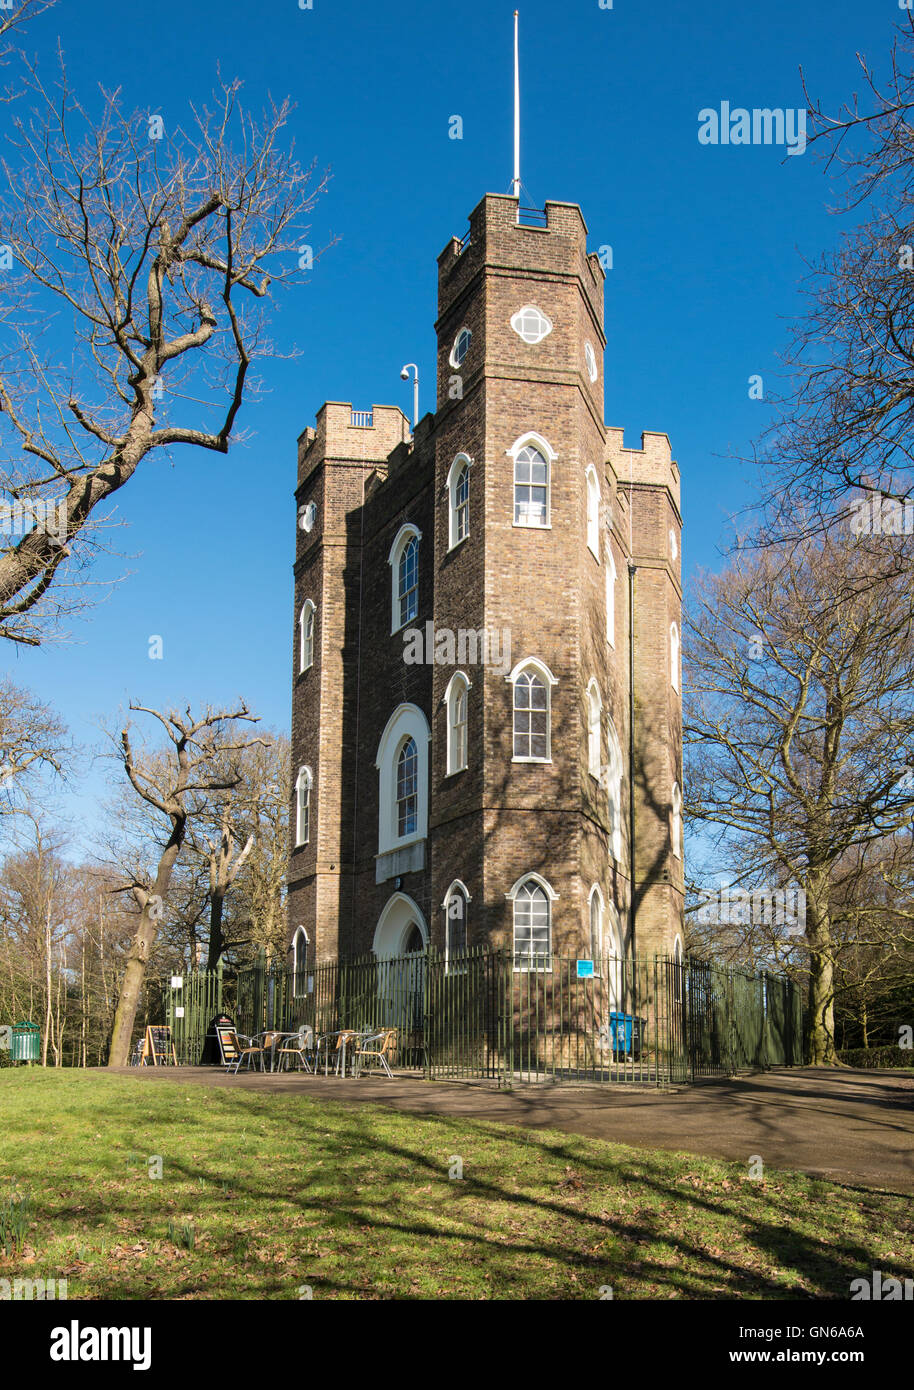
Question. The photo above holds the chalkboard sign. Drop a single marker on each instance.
(158, 1048)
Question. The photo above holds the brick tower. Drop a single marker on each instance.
(466, 764)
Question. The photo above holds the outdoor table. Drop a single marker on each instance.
(345, 1034)
(277, 1039)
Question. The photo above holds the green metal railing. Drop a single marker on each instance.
(483, 1014)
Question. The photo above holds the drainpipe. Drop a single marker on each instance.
(632, 567)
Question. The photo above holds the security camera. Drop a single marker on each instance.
(404, 375)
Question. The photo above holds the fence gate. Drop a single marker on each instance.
(189, 1007)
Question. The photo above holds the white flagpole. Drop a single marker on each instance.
(516, 120)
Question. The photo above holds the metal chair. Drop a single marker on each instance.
(238, 1048)
(377, 1047)
(298, 1045)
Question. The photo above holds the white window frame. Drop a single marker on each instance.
(551, 897)
(615, 959)
(610, 595)
(304, 781)
(455, 472)
(594, 722)
(535, 441)
(458, 685)
(614, 776)
(453, 359)
(590, 359)
(406, 533)
(596, 896)
(676, 820)
(457, 889)
(517, 319)
(407, 743)
(674, 656)
(407, 721)
(299, 965)
(308, 609)
(677, 970)
(549, 680)
(593, 511)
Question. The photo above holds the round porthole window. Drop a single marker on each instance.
(307, 517)
(461, 347)
(590, 358)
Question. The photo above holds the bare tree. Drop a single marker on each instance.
(242, 840)
(162, 253)
(32, 740)
(799, 723)
(846, 422)
(201, 762)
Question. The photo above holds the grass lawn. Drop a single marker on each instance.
(261, 1195)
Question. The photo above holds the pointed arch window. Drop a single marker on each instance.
(407, 789)
(404, 572)
(532, 683)
(306, 635)
(594, 716)
(674, 656)
(593, 512)
(610, 596)
(456, 700)
(596, 923)
(678, 990)
(300, 962)
(458, 489)
(455, 904)
(303, 785)
(676, 821)
(614, 789)
(532, 899)
(614, 959)
(533, 458)
(401, 778)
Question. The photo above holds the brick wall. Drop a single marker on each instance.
(499, 819)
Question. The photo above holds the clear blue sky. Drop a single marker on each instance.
(707, 246)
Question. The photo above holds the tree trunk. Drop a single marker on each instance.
(216, 942)
(143, 942)
(47, 986)
(821, 1025)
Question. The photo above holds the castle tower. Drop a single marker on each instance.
(464, 725)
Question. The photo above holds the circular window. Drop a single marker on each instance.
(591, 359)
(531, 324)
(307, 517)
(461, 347)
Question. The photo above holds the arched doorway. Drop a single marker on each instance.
(400, 942)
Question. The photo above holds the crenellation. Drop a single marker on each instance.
(539, 589)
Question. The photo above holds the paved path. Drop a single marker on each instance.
(851, 1126)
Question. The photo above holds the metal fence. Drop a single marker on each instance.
(481, 1014)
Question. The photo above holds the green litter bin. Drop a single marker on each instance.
(25, 1042)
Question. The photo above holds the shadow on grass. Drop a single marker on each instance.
(306, 1155)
